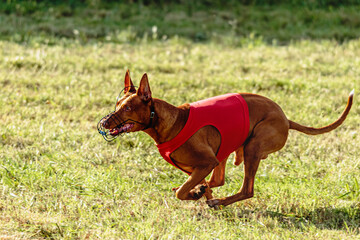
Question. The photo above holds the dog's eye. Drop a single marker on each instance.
(127, 108)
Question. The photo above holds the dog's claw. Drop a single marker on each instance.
(202, 189)
(198, 191)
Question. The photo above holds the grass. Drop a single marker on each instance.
(60, 180)
(124, 23)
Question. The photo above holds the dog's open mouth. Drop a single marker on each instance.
(121, 129)
(110, 134)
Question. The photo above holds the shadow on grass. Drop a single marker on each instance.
(323, 218)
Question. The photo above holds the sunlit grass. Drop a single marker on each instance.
(60, 179)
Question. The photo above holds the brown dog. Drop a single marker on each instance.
(136, 110)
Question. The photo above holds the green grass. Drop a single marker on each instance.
(129, 23)
(60, 180)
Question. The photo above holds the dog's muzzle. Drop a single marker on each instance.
(121, 126)
(111, 134)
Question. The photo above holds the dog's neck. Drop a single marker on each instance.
(168, 121)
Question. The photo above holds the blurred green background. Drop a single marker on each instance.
(275, 22)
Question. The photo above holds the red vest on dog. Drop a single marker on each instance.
(228, 113)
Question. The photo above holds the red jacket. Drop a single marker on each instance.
(228, 113)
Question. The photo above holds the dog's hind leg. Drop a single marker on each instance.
(267, 138)
(217, 178)
(239, 156)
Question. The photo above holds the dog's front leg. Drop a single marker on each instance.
(191, 190)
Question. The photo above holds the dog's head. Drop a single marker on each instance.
(133, 111)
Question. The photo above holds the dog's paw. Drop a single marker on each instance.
(198, 191)
(214, 203)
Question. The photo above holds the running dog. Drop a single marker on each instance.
(198, 137)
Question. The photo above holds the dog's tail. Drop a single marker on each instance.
(328, 128)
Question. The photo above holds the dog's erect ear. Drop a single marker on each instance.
(144, 89)
(129, 86)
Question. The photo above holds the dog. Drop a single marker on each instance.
(264, 130)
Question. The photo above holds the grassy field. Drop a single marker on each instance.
(60, 180)
(224, 24)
